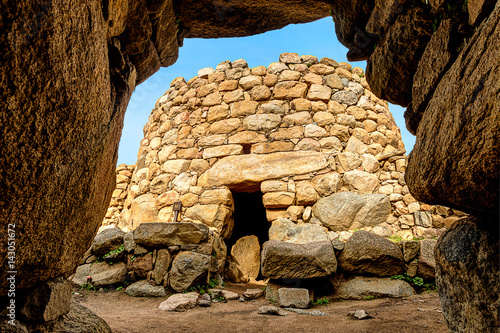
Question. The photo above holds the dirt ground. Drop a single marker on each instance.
(125, 314)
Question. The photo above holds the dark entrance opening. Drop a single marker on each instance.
(249, 218)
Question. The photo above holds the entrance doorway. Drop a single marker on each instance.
(249, 218)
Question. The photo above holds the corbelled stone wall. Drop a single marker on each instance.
(123, 177)
(298, 131)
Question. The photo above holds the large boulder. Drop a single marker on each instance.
(347, 211)
(107, 240)
(287, 231)
(467, 275)
(216, 216)
(248, 171)
(142, 265)
(463, 159)
(102, 274)
(162, 264)
(143, 288)
(297, 261)
(391, 77)
(159, 234)
(180, 302)
(143, 210)
(246, 252)
(79, 319)
(206, 19)
(63, 100)
(426, 262)
(46, 301)
(369, 254)
(294, 298)
(362, 287)
(187, 269)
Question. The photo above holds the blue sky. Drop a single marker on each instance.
(317, 38)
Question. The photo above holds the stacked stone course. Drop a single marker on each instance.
(299, 130)
(123, 177)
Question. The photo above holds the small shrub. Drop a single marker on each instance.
(213, 283)
(415, 281)
(88, 287)
(369, 298)
(120, 249)
(321, 301)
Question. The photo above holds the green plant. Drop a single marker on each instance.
(416, 281)
(197, 287)
(321, 301)
(219, 297)
(213, 283)
(361, 75)
(395, 238)
(120, 288)
(120, 249)
(133, 258)
(368, 298)
(88, 287)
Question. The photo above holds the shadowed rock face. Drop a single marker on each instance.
(467, 275)
(238, 18)
(61, 119)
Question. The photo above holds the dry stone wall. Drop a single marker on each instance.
(123, 177)
(308, 134)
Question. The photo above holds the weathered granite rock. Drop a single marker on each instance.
(217, 216)
(294, 298)
(142, 288)
(187, 269)
(271, 310)
(410, 250)
(287, 231)
(228, 295)
(143, 210)
(467, 254)
(79, 319)
(107, 240)
(346, 210)
(426, 262)
(391, 77)
(253, 293)
(247, 171)
(359, 314)
(297, 261)
(205, 19)
(102, 273)
(142, 265)
(62, 181)
(46, 301)
(367, 253)
(204, 301)
(246, 252)
(180, 302)
(462, 177)
(160, 234)
(162, 264)
(361, 181)
(439, 54)
(361, 287)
